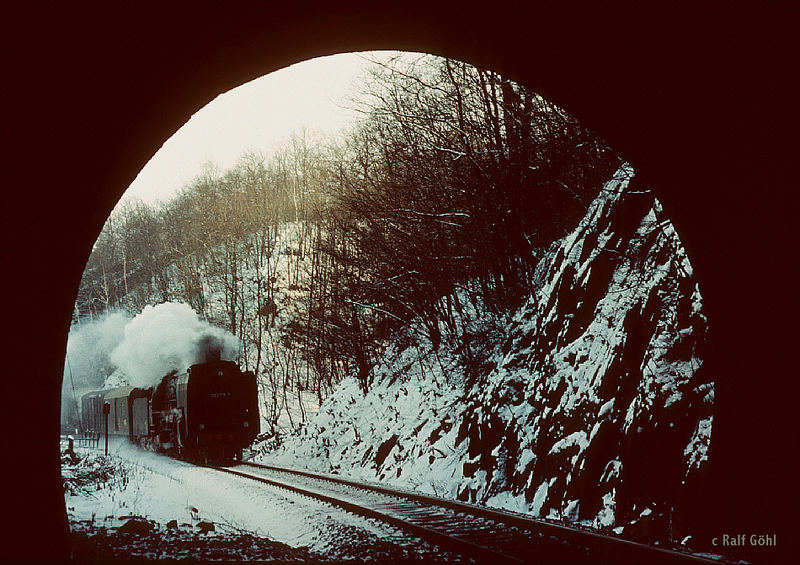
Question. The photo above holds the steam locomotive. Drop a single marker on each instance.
(208, 413)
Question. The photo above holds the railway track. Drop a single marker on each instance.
(479, 533)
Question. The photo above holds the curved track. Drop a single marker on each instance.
(482, 534)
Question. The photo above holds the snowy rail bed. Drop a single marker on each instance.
(139, 505)
(473, 531)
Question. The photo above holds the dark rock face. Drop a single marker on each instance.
(206, 527)
(384, 450)
(136, 526)
(608, 357)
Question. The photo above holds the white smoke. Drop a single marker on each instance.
(117, 349)
(89, 347)
(169, 337)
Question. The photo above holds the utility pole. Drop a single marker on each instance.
(106, 410)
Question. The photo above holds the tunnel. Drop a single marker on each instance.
(696, 98)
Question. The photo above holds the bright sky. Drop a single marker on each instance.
(256, 116)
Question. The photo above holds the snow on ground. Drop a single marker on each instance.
(373, 437)
(156, 489)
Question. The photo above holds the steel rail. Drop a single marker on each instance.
(445, 541)
(611, 549)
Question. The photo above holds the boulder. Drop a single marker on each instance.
(205, 527)
(136, 526)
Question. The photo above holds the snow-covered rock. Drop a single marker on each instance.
(600, 391)
(595, 408)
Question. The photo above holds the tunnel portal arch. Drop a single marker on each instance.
(665, 89)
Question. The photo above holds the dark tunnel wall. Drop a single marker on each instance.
(695, 99)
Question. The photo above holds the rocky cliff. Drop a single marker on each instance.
(594, 408)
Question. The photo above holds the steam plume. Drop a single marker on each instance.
(88, 349)
(169, 337)
(163, 338)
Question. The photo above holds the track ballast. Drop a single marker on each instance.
(476, 532)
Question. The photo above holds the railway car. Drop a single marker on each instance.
(119, 411)
(92, 411)
(210, 412)
(139, 409)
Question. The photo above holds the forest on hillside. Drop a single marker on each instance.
(427, 218)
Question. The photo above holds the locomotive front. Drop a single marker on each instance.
(219, 403)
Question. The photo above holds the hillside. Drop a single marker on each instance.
(593, 408)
